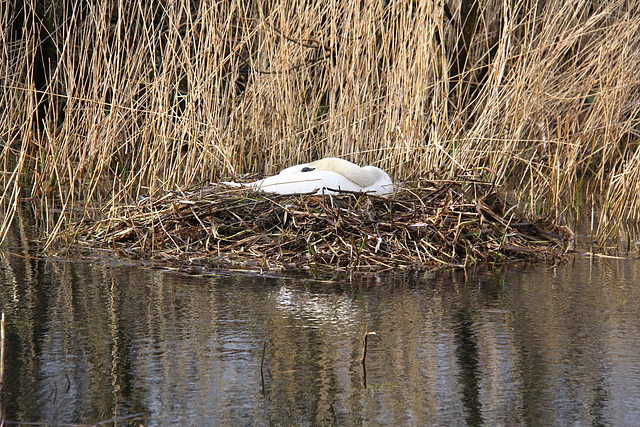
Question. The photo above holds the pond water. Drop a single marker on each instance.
(88, 342)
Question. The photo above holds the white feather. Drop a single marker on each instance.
(325, 175)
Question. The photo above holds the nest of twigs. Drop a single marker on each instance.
(427, 224)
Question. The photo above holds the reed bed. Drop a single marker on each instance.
(101, 103)
(454, 223)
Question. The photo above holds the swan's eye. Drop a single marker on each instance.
(307, 169)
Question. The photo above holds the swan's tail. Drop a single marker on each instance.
(231, 184)
(239, 184)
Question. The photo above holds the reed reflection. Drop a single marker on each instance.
(89, 342)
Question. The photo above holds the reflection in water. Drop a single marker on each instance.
(89, 342)
(467, 354)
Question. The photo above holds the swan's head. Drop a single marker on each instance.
(363, 176)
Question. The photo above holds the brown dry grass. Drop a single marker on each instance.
(135, 96)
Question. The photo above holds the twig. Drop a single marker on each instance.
(365, 344)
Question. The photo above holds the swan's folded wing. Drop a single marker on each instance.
(306, 182)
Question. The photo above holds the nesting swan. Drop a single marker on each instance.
(325, 175)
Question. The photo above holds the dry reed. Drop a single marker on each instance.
(102, 103)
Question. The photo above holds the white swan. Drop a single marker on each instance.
(325, 175)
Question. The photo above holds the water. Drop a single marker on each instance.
(88, 342)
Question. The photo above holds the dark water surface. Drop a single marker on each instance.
(528, 345)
